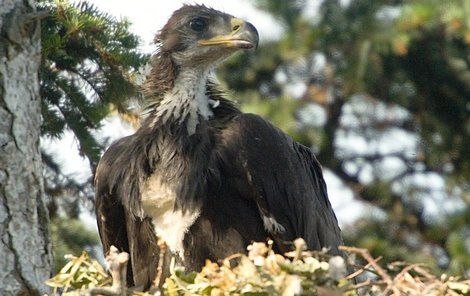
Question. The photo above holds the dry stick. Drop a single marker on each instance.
(424, 272)
(365, 254)
(362, 269)
(161, 260)
(117, 265)
(366, 283)
(405, 270)
(325, 257)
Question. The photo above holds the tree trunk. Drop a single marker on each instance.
(25, 249)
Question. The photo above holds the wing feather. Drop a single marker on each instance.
(117, 211)
(287, 182)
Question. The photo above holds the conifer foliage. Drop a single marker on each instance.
(88, 62)
(88, 68)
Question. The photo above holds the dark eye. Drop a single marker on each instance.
(198, 24)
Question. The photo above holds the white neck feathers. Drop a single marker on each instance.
(186, 101)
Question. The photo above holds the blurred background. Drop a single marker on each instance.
(380, 90)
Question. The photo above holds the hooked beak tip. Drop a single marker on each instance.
(243, 36)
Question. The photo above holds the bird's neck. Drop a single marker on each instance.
(186, 103)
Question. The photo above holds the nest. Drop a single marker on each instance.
(263, 272)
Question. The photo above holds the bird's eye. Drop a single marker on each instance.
(198, 24)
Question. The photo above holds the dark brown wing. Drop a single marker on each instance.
(286, 179)
(117, 224)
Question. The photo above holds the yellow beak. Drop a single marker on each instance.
(243, 35)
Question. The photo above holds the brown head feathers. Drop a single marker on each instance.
(172, 38)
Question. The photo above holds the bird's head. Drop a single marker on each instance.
(194, 40)
(196, 35)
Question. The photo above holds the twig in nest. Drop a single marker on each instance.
(161, 260)
(366, 283)
(406, 270)
(424, 273)
(419, 268)
(365, 254)
(362, 269)
(117, 265)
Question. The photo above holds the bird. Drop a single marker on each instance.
(200, 174)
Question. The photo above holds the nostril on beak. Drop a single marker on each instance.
(236, 27)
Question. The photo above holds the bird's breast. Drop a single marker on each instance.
(158, 202)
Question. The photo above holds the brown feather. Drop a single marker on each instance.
(238, 172)
(160, 80)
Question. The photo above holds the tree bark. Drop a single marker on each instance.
(25, 249)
